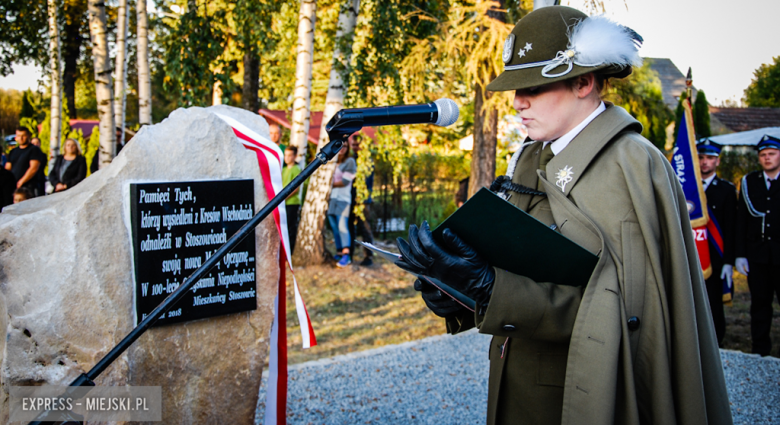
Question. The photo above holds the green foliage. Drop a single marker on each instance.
(90, 149)
(385, 35)
(764, 90)
(701, 115)
(10, 107)
(640, 94)
(735, 164)
(192, 52)
(30, 124)
(28, 110)
(23, 33)
(678, 112)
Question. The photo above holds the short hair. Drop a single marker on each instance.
(274, 123)
(292, 149)
(24, 192)
(23, 128)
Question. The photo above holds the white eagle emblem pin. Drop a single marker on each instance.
(564, 175)
(509, 44)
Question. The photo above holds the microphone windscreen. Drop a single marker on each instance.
(448, 112)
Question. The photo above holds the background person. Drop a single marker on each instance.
(7, 188)
(758, 241)
(338, 206)
(293, 202)
(69, 169)
(356, 224)
(24, 161)
(22, 194)
(275, 133)
(722, 204)
(635, 344)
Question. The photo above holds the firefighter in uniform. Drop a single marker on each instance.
(722, 204)
(758, 240)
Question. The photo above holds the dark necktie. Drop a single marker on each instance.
(771, 181)
(547, 155)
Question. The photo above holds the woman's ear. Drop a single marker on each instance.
(585, 85)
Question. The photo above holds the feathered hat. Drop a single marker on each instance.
(556, 43)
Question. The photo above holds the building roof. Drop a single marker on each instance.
(672, 80)
(284, 119)
(744, 119)
(746, 138)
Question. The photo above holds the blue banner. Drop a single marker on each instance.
(685, 161)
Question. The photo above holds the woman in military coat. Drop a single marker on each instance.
(636, 345)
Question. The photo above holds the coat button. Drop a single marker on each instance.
(508, 328)
(633, 323)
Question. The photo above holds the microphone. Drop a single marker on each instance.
(443, 112)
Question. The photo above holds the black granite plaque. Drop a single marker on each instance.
(176, 226)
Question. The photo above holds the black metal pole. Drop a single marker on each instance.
(326, 154)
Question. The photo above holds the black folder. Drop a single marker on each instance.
(512, 240)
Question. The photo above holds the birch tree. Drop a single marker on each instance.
(302, 95)
(310, 245)
(120, 83)
(55, 58)
(102, 64)
(144, 78)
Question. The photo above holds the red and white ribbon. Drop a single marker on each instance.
(269, 158)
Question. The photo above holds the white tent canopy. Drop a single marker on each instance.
(746, 138)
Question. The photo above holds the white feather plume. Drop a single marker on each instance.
(598, 40)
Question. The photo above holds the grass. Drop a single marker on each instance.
(358, 308)
(354, 309)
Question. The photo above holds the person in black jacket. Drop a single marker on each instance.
(758, 240)
(722, 204)
(69, 169)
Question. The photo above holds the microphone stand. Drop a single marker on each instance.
(339, 130)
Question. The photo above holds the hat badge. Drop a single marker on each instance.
(509, 45)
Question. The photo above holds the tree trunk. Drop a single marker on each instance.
(310, 247)
(97, 31)
(483, 154)
(71, 48)
(144, 77)
(251, 79)
(55, 59)
(120, 83)
(302, 94)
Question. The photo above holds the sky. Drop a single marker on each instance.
(722, 41)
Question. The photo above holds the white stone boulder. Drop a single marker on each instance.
(66, 282)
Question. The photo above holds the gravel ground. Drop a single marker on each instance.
(443, 380)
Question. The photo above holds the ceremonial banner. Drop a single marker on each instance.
(269, 158)
(685, 161)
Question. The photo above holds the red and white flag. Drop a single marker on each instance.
(269, 158)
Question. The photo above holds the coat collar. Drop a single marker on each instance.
(565, 169)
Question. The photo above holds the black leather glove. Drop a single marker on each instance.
(438, 302)
(456, 264)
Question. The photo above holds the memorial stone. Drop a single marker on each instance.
(67, 287)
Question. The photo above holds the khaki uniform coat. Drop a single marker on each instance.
(565, 355)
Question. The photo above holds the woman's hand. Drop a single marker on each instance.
(60, 187)
(455, 263)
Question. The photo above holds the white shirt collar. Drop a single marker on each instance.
(708, 180)
(767, 178)
(563, 141)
